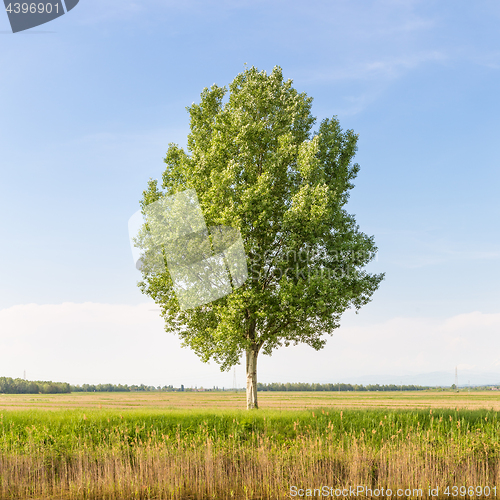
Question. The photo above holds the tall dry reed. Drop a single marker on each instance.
(322, 452)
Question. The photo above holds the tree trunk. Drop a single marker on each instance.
(252, 354)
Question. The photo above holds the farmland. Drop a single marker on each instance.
(200, 445)
(267, 400)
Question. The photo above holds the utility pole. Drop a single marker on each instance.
(234, 380)
(456, 378)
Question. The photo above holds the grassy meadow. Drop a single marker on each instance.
(203, 445)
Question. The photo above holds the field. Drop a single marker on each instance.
(267, 400)
(205, 445)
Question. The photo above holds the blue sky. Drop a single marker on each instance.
(91, 100)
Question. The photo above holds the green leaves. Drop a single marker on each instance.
(256, 166)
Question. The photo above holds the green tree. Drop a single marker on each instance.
(256, 166)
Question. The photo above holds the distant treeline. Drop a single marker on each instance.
(117, 388)
(21, 386)
(337, 387)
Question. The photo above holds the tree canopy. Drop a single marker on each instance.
(257, 166)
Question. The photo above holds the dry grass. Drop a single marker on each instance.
(267, 400)
(212, 471)
(157, 454)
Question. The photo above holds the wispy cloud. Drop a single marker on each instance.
(442, 256)
(376, 69)
(418, 249)
(97, 343)
(398, 346)
(126, 343)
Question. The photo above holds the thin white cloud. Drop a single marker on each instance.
(124, 343)
(424, 259)
(388, 68)
(419, 249)
(95, 343)
(474, 320)
(399, 346)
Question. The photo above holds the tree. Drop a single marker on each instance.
(256, 166)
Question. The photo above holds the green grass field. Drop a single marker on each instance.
(120, 446)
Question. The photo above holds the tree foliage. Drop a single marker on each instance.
(257, 166)
(20, 386)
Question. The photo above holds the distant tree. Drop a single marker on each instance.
(20, 386)
(335, 387)
(256, 166)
